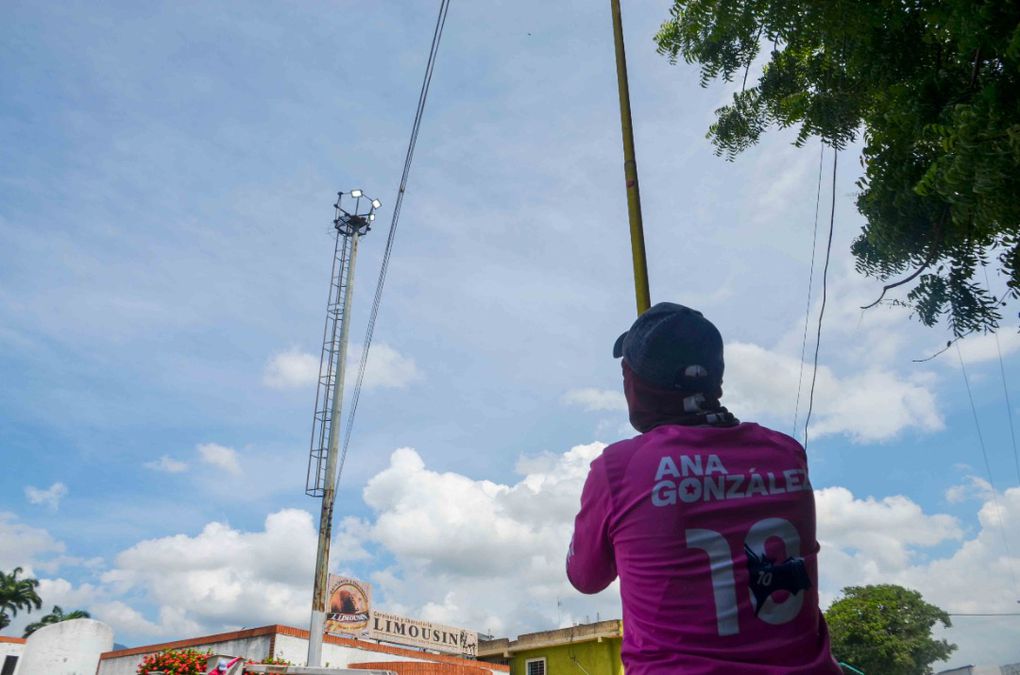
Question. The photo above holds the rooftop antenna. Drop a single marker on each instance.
(351, 222)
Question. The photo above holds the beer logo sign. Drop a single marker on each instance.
(350, 602)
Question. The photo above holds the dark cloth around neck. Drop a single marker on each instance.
(652, 407)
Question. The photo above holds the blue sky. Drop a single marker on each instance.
(165, 204)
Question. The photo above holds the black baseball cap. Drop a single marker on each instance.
(666, 345)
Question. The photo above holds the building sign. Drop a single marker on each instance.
(350, 606)
(350, 612)
(435, 636)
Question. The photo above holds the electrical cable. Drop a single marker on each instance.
(810, 283)
(437, 36)
(825, 285)
(1005, 390)
(983, 613)
(988, 469)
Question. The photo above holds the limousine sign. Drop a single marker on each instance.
(351, 614)
(416, 633)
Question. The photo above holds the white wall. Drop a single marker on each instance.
(256, 648)
(292, 649)
(11, 649)
(295, 650)
(66, 648)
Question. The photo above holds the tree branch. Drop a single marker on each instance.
(939, 226)
(941, 351)
(914, 275)
(977, 66)
(747, 69)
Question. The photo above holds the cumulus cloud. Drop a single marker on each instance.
(220, 456)
(862, 390)
(870, 405)
(979, 348)
(49, 497)
(881, 532)
(291, 369)
(386, 369)
(593, 400)
(974, 488)
(124, 618)
(37, 552)
(490, 555)
(62, 592)
(167, 464)
(870, 542)
(221, 577)
(478, 553)
(22, 545)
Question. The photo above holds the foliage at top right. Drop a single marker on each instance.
(934, 88)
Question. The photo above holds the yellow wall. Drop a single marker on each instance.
(593, 658)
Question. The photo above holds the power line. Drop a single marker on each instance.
(825, 284)
(988, 469)
(437, 36)
(811, 278)
(983, 613)
(1005, 389)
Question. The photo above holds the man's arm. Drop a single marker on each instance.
(591, 565)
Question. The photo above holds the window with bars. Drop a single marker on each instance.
(534, 667)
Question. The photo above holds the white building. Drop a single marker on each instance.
(11, 650)
(291, 644)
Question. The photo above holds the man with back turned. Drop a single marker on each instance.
(708, 522)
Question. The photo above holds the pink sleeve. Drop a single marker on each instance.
(591, 565)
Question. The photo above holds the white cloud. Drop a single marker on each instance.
(167, 464)
(348, 541)
(386, 369)
(490, 555)
(861, 390)
(218, 578)
(974, 488)
(220, 456)
(478, 553)
(291, 369)
(868, 542)
(36, 552)
(870, 405)
(50, 497)
(592, 399)
(70, 597)
(882, 531)
(123, 617)
(979, 348)
(23, 545)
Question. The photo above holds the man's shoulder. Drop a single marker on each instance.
(743, 435)
(625, 447)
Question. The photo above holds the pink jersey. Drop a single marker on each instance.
(712, 532)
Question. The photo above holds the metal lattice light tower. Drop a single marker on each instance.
(322, 459)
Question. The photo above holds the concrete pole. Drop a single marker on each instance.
(321, 589)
